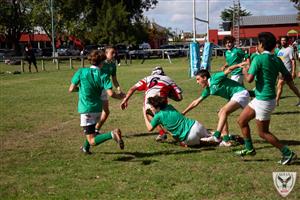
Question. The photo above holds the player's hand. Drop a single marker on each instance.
(124, 105)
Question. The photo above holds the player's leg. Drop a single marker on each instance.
(105, 111)
(279, 90)
(246, 115)
(230, 107)
(29, 65)
(34, 64)
(197, 132)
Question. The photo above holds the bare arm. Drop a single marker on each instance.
(148, 124)
(73, 88)
(224, 66)
(192, 105)
(114, 95)
(233, 67)
(293, 68)
(124, 103)
(248, 77)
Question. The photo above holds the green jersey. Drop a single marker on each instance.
(173, 121)
(266, 67)
(109, 68)
(276, 50)
(235, 56)
(222, 86)
(91, 83)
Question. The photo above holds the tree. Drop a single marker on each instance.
(14, 21)
(297, 6)
(227, 13)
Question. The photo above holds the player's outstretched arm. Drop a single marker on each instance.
(148, 125)
(73, 88)
(124, 103)
(233, 67)
(117, 85)
(114, 95)
(248, 77)
(194, 104)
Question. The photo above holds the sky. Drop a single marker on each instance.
(178, 14)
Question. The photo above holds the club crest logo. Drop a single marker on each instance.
(284, 182)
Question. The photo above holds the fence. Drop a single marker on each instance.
(161, 53)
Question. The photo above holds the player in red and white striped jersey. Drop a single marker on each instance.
(155, 84)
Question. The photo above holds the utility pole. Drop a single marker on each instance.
(236, 22)
(52, 28)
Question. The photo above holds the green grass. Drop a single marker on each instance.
(40, 139)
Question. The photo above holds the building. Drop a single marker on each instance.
(251, 26)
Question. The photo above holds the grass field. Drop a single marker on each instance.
(40, 139)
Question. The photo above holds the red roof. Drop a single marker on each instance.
(25, 37)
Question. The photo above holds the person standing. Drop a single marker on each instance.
(30, 57)
(286, 54)
(234, 56)
(264, 69)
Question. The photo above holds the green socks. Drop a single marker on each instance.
(285, 151)
(248, 143)
(217, 134)
(86, 145)
(102, 138)
(226, 138)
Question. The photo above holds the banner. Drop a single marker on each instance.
(194, 58)
(206, 56)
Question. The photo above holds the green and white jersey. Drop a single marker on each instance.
(222, 86)
(173, 121)
(266, 67)
(90, 86)
(235, 56)
(109, 68)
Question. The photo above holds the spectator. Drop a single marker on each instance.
(30, 57)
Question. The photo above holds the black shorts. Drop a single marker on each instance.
(89, 129)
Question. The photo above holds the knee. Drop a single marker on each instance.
(91, 141)
(241, 122)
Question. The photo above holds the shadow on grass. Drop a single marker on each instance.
(140, 135)
(286, 113)
(286, 142)
(131, 156)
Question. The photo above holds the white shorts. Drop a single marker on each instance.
(104, 96)
(197, 132)
(88, 119)
(238, 78)
(263, 109)
(241, 98)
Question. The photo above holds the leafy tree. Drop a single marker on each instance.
(297, 6)
(227, 13)
(14, 21)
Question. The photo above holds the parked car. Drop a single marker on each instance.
(170, 50)
(88, 48)
(122, 50)
(136, 51)
(6, 54)
(47, 52)
(63, 51)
